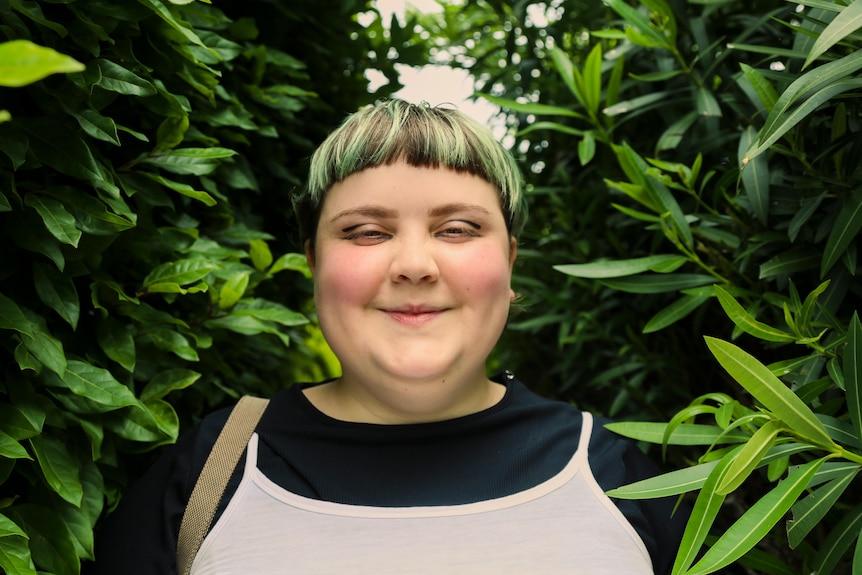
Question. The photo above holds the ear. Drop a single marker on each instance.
(513, 255)
(309, 256)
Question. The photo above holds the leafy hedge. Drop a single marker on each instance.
(713, 152)
(147, 155)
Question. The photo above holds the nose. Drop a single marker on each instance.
(414, 261)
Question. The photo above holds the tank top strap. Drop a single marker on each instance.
(584, 441)
(251, 455)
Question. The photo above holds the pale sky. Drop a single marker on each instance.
(434, 84)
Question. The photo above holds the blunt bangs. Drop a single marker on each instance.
(421, 136)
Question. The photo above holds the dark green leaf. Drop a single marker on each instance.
(674, 312)
(853, 373)
(11, 317)
(10, 448)
(168, 381)
(59, 467)
(57, 291)
(95, 384)
(182, 272)
(174, 342)
(51, 541)
(658, 283)
(116, 340)
(808, 512)
(57, 219)
(845, 229)
(842, 535)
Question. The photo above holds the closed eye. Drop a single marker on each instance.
(457, 231)
(365, 236)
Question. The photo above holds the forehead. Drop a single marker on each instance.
(398, 187)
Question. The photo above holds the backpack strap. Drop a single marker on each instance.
(214, 477)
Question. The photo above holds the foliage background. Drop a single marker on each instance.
(147, 273)
(694, 168)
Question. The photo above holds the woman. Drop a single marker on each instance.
(413, 461)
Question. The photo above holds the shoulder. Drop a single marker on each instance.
(615, 461)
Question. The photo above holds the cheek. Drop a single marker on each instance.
(485, 273)
(342, 277)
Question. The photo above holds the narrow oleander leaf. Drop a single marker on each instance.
(592, 74)
(759, 381)
(764, 90)
(755, 177)
(853, 373)
(703, 514)
(844, 231)
(621, 268)
(840, 538)
(746, 321)
(22, 62)
(672, 483)
(808, 512)
(755, 523)
(527, 108)
(639, 22)
(788, 121)
(749, 457)
(658, 283)
(684, 434)
(674, 312)
(794, 260)
(845, 23)
(566, 70)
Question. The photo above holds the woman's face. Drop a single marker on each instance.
(412, 270)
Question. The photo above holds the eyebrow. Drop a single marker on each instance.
(449, 209)
(378, 212)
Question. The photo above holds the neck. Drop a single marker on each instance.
(348, 399)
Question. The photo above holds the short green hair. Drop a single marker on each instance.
(419, 135)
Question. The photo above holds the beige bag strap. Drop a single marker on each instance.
(211, 483)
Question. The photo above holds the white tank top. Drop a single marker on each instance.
(563, 525)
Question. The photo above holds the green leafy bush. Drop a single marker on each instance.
(147, 155)
(726, 137)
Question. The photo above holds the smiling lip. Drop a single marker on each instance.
(413, 315)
